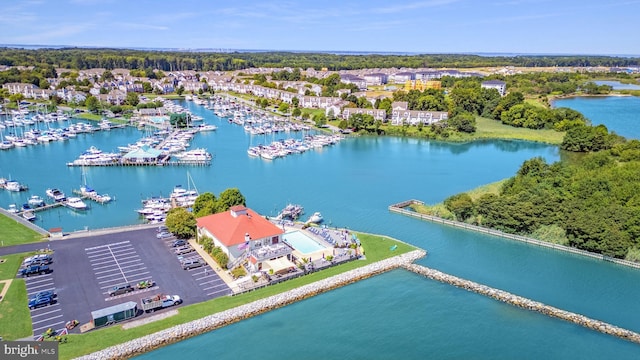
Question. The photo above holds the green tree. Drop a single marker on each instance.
(283, 108)
(92, 103)
(204, 205)
(463, 122)
(181, 223)
(295, 102)
(132, 98)
(146, 87)
(461, 205)
(180, 90)
(296, 112)
(230, 197)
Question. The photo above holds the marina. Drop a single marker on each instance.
(327, 179)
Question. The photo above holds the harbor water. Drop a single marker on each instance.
(352, 183)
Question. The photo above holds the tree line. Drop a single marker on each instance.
(592, 204)
(80, 58)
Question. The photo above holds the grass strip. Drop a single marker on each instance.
(14, 233)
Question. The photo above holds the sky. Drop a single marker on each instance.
(603, 27)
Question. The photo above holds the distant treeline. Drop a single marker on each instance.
(77, 58)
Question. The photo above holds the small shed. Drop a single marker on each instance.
(114, 313)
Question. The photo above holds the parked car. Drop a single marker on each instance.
(183, 250)
(162, 228)
(179, 242)
(41, 259)
(41, 301)
(46, 293)
(191, 264)
(164, 235)
(35, 270)
(120, 289)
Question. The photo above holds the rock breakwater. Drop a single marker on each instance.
(215, 321)
(524, 303)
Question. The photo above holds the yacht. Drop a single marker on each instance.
(76, 203)
(13, 209)
(36, 201)
(29, 215)
(56, 194)
(194, 155)
(14, 186)
(315, 218)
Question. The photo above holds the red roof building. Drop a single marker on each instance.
(239, 230)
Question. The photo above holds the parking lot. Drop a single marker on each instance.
(86, 268)
(45, 317)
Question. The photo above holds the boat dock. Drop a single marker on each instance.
(165, 161)
(94, 197)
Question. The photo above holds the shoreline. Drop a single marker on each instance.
(399, 209)
(571, 96)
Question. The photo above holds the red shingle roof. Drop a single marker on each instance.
(230, 230)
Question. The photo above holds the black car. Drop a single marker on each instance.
(120, 289)
(179, 243)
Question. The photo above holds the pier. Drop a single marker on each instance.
(94, 197)
(400, 209)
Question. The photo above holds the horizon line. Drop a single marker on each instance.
(335, 52)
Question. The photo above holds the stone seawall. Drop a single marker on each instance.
(524, 303)
(215, 321)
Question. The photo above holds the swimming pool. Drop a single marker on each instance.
(158, 119)
(302, 242)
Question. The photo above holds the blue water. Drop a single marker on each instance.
(400, 315)
(619, 114)
(352, 184)
(302, 242)
(617, 85)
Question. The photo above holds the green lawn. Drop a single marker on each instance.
(14, 233)
(492, 129)
(88, 116)
(15, 321)
(376, 248)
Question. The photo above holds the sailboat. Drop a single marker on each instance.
(184, 197)
(86, 190)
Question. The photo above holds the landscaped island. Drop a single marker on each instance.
(591, 203)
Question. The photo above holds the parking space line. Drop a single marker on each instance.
(46, 313)
(109, 268)
(127, 257)
(47, 326)
(117, 252)
(35, 281)
(106, 254)
(217, 292)
(51, 318)
(40, 286)
(99, 263)
(101, 246)
(31, 293)
(128, 261)
(140, 263)
(216, 286)
(217, 281)
(28, 279)
(107, 276)
(136, 274)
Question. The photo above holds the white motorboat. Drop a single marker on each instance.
(13, 209)
(76, 203)
(14, 186)
(29, 215)
(316, 218)
(56, 194)
(35, 201)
